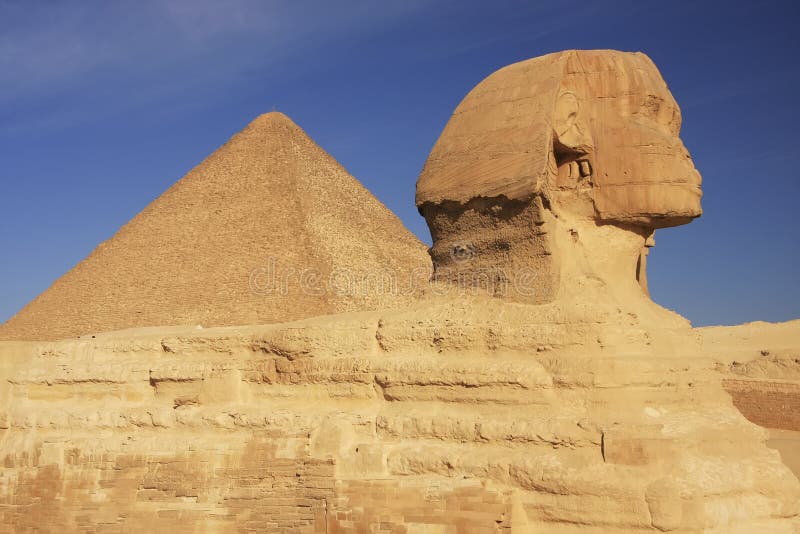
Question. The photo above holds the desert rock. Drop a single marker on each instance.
(567, 402)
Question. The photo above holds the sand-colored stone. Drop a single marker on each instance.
(463, 415)
(268, 228)
(590, 411)
(596, 118)
(760, 363)
(542, 146)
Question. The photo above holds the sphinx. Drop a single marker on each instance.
(555, 170)
(559, 399)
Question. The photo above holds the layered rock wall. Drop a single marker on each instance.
(394, 422)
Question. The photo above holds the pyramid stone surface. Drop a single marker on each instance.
(268, 228)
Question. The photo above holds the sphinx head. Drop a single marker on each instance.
(571, 138)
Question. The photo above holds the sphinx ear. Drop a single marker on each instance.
(568, 124)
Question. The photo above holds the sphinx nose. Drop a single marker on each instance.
(698, 179)
(686, 157)
(695, 177)
(684, 151)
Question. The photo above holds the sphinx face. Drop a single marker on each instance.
(626, 124)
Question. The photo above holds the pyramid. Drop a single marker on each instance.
(268, 228)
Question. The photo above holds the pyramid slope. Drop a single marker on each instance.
(269, 228)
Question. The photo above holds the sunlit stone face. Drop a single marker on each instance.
(617, 115)
(604, 119)
(575, 139)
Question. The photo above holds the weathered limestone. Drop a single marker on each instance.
(269, 228)
(573, 404)
(396, 420)
(760, 363)
(538, 147)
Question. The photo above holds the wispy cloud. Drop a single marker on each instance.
(41, 44)
(150, 47)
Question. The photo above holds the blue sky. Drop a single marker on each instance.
(103, 105)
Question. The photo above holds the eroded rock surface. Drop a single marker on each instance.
(401, 421)
(532, 387)
(760, 363)
(543, 148)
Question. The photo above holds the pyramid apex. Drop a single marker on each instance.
(272, 118)
(274, 124)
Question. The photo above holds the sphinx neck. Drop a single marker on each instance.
(601, 259)
(521, 251)
(601, 271)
